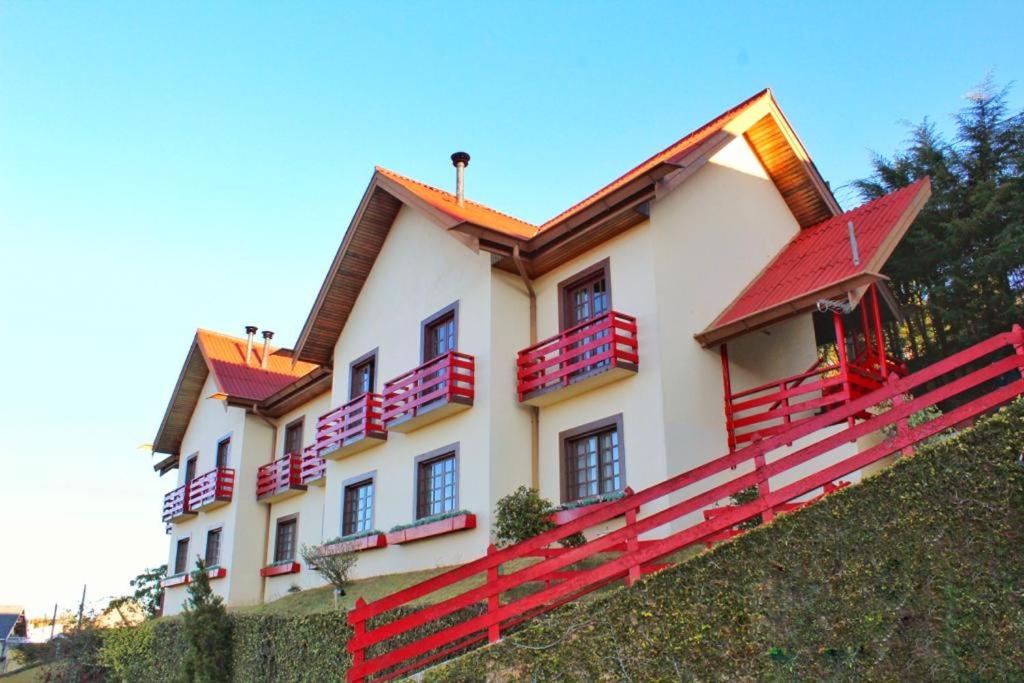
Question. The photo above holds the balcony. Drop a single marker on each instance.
(313, 471)
(211, 490)
(176, 506)
(351, 428)
(583, 357)
(280, 479)
(434, 390)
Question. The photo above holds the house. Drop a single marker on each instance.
(13, 630)
(455, 352)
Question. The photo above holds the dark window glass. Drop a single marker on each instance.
(436, 486)
(223, 451)
(593, 465)
(284, 543)
(362, 378)
(439, 337)
(212, 547)
(190, 468)
(293, 438)
(357, 514)
(181, 557)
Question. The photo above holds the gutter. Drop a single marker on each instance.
(534, 410)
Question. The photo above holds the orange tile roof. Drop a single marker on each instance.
(821, 256)
(470, 211)
(225, 356)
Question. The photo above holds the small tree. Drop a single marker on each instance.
(333, 567)
(207, 632)
(524, 514)
(148, 591)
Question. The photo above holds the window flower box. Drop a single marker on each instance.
(563, 514)
(436, 525)
(182, 579)
(216, 572)
(280, 569)
(354, 543)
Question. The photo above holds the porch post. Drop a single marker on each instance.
(727, 389)
(879, 335)
(844, 367)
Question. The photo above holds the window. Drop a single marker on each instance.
(181, 557)
(357, 508)
(284, 541)
(190, 467)
(436, 484)
(223, 452)
(440, 332)
(293, 437)
(362, 375)
(212, 547)
(592, 460)
(582, 298)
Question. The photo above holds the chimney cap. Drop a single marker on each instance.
(267, 334)
(460, 157)
(250, 329)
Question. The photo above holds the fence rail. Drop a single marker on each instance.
(280, 475)
(358, 419)
(217, 485)
(686, 494)
(446, 379)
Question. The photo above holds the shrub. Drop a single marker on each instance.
(207, 632)
(524, 514)
(334, 567)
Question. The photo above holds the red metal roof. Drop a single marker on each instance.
(820, 257)
(225, 356)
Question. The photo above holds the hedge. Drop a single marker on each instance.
(916, 574)
(281, 649)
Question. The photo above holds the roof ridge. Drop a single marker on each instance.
(696, 131)
(449, 195)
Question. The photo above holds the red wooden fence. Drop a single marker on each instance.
(604, 341)
(446, 379)
(313, 467)
(216, 485)
(279, 475)
(175, 503)
(359, 418)
(671, 501)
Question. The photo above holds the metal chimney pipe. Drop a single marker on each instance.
(267, 336)
(250, 332)
(460, 160)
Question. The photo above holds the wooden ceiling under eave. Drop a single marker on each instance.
(798, 184)
(348, 273)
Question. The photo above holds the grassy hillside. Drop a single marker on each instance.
(917, 574)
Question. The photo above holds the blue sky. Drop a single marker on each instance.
(165, 166)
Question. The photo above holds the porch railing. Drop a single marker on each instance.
(175, 503)
(678, 501)
(217, 485)
(313, 467)
(602, 342)
(280, 475)
(449, 378)
(359, 418)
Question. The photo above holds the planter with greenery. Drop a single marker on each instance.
(435, 525)
(281, 568)
(353, 543)
(567, 512)
(175, 580)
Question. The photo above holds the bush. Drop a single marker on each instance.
(524, 514)
(333, 567)
(207, 632)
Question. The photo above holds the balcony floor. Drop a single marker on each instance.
(588, 382)
(434, 413)
(281, 494)
(355, 445)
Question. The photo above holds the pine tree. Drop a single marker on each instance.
(207, 632)
(959, 273)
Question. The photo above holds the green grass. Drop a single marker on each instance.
(30, 674)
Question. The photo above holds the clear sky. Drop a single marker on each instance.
(167, 166)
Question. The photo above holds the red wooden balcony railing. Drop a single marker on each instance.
(982, 377)
(176, 504)
(280, 479)
(351, 428)
(313, 470)
(594, 352)
(211, 490)
(434, 390)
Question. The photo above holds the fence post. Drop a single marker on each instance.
(1018, 343)
(902, 425)
(493, 601)
(632, 541)
(762, 481)
(358, 629)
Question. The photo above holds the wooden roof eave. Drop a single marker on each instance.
(805, 303)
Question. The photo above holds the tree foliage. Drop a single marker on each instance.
(959, 273)
(207, 632)
(524, 514)
(334, 567)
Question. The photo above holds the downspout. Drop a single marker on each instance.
(534, 410)
(266, 518)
